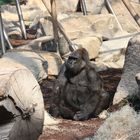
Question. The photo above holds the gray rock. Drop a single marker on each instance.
(112, 51)
(121, 125)
(94, 6)
(127, 85)
(91, 44)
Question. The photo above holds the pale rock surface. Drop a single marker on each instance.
(126, 20)
(90, 25)
(35, 8)
(94, 6)
(136, 6)
(127, 85)
(41, 64)
(91, 44)
(104, 25)
(112, 52)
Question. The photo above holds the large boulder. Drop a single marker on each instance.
(91, 44)
(41, 64)
(94, 6)
(127, 85)
(105, 25)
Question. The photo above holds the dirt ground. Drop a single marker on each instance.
(76, 130)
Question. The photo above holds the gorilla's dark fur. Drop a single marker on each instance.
(79, 89)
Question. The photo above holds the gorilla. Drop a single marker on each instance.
(79, 93)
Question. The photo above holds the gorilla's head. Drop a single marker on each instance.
(77, 61)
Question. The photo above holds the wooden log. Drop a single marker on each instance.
(21, 104)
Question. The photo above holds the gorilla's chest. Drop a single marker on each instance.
(78, 82)
(77, 88)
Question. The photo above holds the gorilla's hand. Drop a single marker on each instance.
(80, 115)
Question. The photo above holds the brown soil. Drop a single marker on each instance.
(72, 130)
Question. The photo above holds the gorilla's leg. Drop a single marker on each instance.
(103, 104)
(87, 108)
(66, 112)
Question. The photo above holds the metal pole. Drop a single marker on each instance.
(83, 7)
(110, 9)
(22, 25)
(2, 35)
(7, 39)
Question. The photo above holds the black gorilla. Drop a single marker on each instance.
(79, 89)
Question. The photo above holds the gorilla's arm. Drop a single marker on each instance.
(94, 80)
(104, 103)
(65, 111)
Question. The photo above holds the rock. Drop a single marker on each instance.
(121, 125)
(65, 6)
(30, 12)
(110, 64)
(36, 8)
(41, 64)
(94, 6)
(136, 6)
(126, 20)
(104, 10)
(91, 25)
(104, 114)
(91, 44)
(127, 85)
(54, 62)
(49, 120)
(135, 1)
(63, 46)
(112, 51)
(46, 25)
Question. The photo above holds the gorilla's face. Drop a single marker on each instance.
(75, 62)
